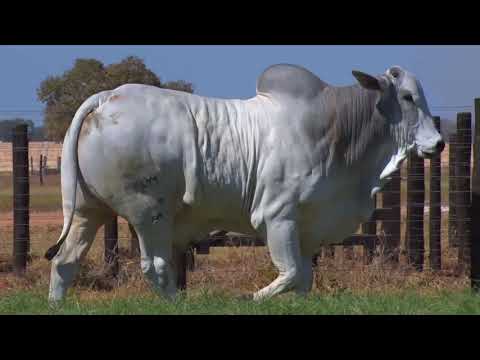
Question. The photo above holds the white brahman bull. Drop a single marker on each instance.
(297, 164)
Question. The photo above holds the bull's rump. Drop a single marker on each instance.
(134, 147)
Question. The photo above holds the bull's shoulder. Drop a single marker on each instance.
(291, 80)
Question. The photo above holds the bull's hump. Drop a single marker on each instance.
(290, 80)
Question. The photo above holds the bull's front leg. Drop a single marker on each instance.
(304, 285)
(284, 247)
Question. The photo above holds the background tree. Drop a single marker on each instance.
(63, 94)
(130, 70)
(179, 85)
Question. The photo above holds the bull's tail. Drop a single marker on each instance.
(70, 159)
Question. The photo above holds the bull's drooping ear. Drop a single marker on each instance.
(367, 81)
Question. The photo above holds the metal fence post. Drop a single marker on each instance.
(21, 199)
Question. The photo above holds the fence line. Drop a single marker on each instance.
(382, 233)
(475, 206)
(435, 216)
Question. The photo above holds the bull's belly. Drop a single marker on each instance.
(223, 209)
(333, 222)
(194, 223)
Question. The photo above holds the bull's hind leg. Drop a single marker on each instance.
(157, 263)
(284, 247)
(65, 264)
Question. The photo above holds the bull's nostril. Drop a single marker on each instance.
(440, 146)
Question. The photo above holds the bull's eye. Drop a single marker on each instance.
(408, 98)
(395, 73)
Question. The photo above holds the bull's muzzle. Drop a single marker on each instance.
(432, 151)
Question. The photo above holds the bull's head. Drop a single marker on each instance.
(403, 105)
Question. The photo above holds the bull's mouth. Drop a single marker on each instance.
(427, 154)
(397, 159)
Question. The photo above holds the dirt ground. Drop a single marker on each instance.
(40, 218)
(233, 271)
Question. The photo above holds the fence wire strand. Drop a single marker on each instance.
(410, 240)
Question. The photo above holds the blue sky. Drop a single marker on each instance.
(449, 74)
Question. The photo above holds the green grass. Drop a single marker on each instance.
(409, 303)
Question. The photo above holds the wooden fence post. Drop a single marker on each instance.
(435, 213)
(45, 167)
(21, 199)
(40, 172)
(452, 226)
(391, 225)
(190, 259)
(348, 252)
(369, 228)
(315, 259)
(181, 264)
(462, 186)
(111, 247)
(475, 208)
(329, 251)
(134, 245)
(415, 204)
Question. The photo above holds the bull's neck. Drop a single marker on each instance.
(358, 123)
(365, 142)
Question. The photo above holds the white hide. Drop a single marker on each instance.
(177, 165)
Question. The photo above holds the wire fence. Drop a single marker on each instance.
(421, 220)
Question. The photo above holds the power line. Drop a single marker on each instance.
(452, 107)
